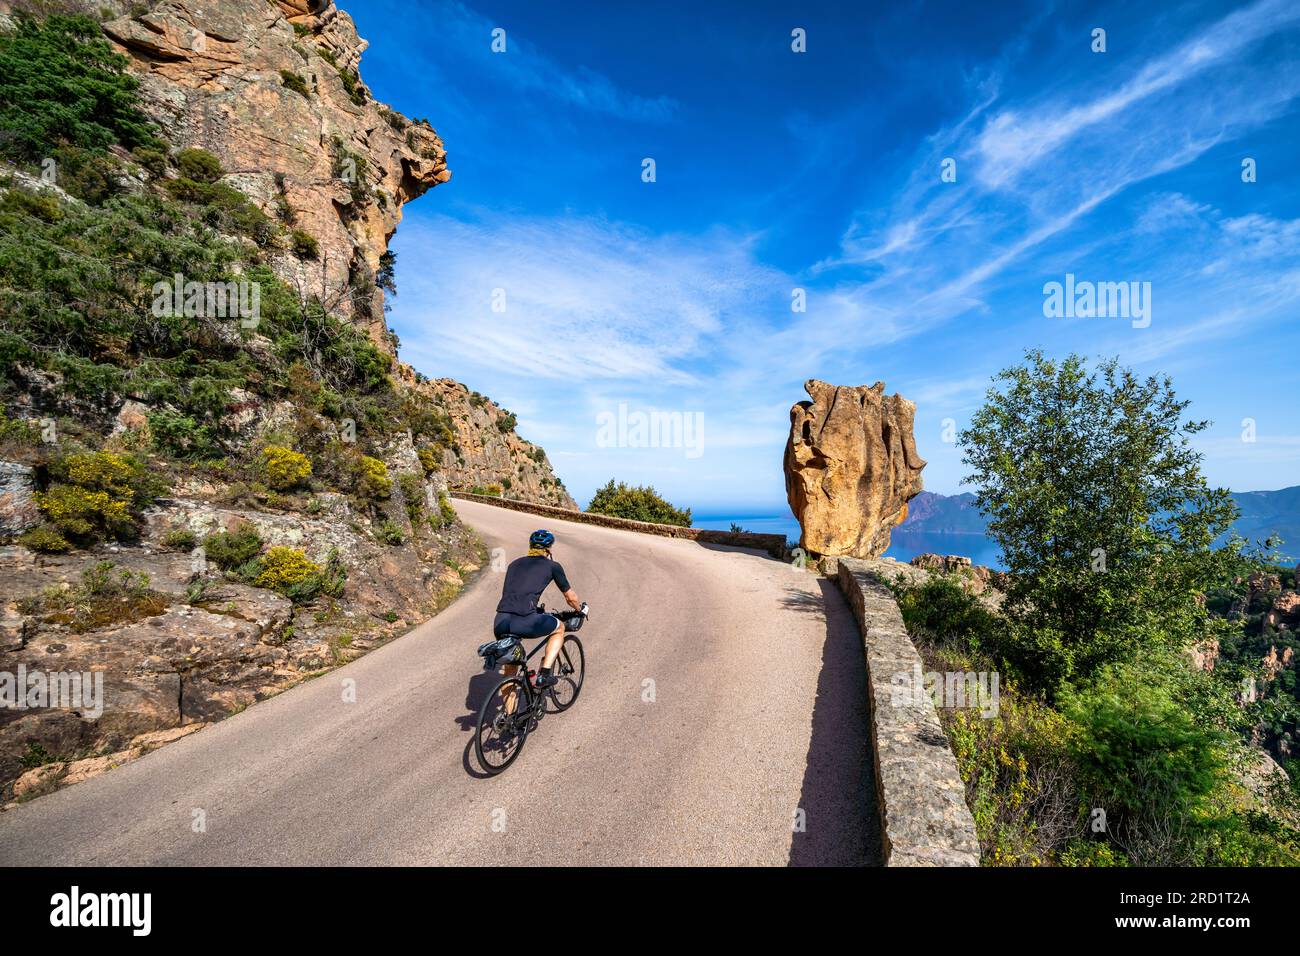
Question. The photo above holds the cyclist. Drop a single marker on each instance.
(526, 579)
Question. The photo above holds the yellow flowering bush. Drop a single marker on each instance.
(80, 513)
(430, 460)
(284, 468)
(96, 495)
(373, 481)
(283, 568)
(116, 475)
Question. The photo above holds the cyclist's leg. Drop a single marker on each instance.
(553, 645)
(509, 694)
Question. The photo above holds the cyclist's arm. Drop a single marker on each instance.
(562, 582)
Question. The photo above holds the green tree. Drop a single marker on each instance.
(637, 503)
(1096, 497)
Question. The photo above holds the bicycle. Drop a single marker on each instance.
(502, 730)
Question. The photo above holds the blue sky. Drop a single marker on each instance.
(777, 170)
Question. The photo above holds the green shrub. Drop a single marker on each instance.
(293, 81)
(446, 511)
(152, 159)
(941, 612)
(507, 422)
(182, 436)
(305, 245)
(413, 495)
(352, 168)
(352, 86)
(199, 165)
(20, 431)
(180, 539)
(229, 550)
(35, 756)
(1145, 759)
(283, 468)
(430, 460)
(638, 504)
(389, 533)
(61, 82)
(45, 540)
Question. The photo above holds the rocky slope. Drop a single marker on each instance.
(273, 91)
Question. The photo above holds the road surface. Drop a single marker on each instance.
(725, 692)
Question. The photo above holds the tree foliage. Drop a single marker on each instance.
(1096, 497)
(638, 504)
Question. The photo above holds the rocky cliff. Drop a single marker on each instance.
(851, 467)
(202, 510)
(218, 75)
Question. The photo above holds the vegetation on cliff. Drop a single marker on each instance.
(175, 380)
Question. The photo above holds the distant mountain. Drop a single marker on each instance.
(1270, 512)
(1262, 513)
(943, 514)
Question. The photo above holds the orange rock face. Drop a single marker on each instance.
(851, 466)
(333, 163)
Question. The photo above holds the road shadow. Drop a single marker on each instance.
(736, 549)
(841, 822)
(805, 602)
(480, 684)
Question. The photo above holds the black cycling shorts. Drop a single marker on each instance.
(525, 625)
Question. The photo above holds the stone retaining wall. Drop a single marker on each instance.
(924, 819)
(773, 544)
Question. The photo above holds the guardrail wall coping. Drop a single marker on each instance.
(773, 544)
(924, 819)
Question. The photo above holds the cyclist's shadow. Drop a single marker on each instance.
(480, 685)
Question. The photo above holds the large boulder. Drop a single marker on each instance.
(851, 466)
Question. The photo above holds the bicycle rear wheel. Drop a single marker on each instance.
(570, 668)
(501, 734)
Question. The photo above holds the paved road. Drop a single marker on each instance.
(758, 710)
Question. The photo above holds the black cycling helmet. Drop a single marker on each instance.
(541, 539)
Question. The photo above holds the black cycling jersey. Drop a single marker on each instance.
(526, 579)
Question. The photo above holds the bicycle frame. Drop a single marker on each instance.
(533, 696)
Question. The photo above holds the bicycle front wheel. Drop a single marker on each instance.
(503, 724)
(570, 668)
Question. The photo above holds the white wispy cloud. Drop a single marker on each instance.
(1033, 172)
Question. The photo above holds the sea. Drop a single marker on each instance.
(903, 546)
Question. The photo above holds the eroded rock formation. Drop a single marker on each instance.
(851, 466)
(217, 76)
